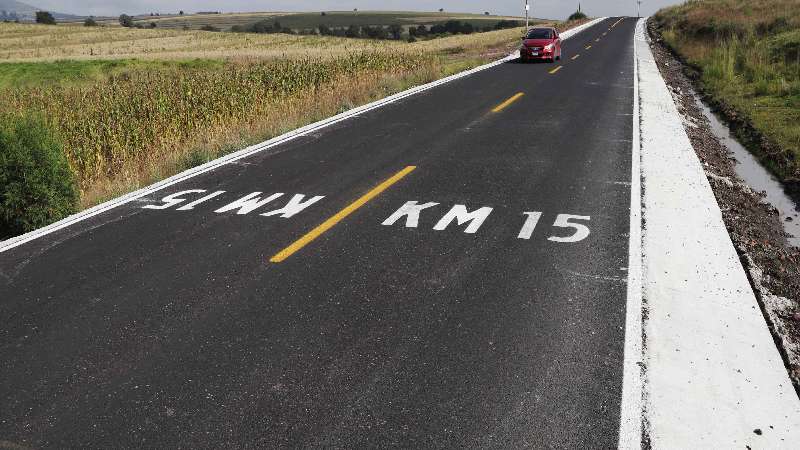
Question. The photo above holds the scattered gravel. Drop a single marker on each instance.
(754, 226)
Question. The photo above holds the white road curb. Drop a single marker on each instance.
(211, 165)
(630, 418)
(714, 376)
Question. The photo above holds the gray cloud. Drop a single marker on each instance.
(541, 8)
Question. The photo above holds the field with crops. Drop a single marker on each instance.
(27, 43)
(132, 106)
(748, 56)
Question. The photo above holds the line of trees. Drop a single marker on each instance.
(394, 31)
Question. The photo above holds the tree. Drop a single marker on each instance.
(126, 20)
(45, 18)
(90, 22)
(324, 30)
(577, 15)
(441, 9)
(180, 13)
(396, 31)
(153, 25)
(352, 32)
(486, 13)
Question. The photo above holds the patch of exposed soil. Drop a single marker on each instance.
(754, 226)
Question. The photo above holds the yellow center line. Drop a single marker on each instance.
(605, 33)
(597, 40)
(506, 103)
(576, 56)
(588, 47)
(330, 223)
(556, 69)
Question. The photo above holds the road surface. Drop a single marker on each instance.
(448, 270)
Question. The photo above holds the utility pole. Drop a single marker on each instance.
(527, 23)
(638, 8)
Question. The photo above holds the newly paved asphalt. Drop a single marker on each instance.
(166, 328)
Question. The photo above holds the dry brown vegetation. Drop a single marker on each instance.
(19, 42)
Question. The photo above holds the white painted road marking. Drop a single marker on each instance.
(249, 203)
(294, 207)
(631, 404)
(461, 215)
(408, 214)
(581, 230)
(410, 211)
(243, 206)
(174, 199)
(530, 224)
(191, 205)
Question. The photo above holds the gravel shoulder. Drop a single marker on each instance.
(773, 265)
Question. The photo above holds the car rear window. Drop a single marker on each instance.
(540, 34)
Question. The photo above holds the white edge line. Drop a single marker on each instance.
(631, 407)
(244, 153)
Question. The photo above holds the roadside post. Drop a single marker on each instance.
(527, 23)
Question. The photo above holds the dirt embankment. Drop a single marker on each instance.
(754, 227)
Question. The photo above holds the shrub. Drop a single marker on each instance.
(45, 18)
(126, 20)
(209, 28)
(37, 186)
(577, 15)
(90, 22)
(506, 24)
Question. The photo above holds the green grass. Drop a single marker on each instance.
(74, 72)
(748, 53)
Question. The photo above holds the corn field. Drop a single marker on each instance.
(133, 118)
(133, 126)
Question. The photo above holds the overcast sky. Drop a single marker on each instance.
(556, 9)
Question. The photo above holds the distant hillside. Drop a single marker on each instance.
(11, 9)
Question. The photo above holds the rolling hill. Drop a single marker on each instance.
(10, 9)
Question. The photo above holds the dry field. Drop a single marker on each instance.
(19, 42)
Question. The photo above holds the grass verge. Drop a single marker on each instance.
(747, 55)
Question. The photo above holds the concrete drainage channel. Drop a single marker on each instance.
(760, 214)
(714, 377)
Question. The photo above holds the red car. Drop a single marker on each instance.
(541, 44)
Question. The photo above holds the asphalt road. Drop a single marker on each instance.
(145, 327)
